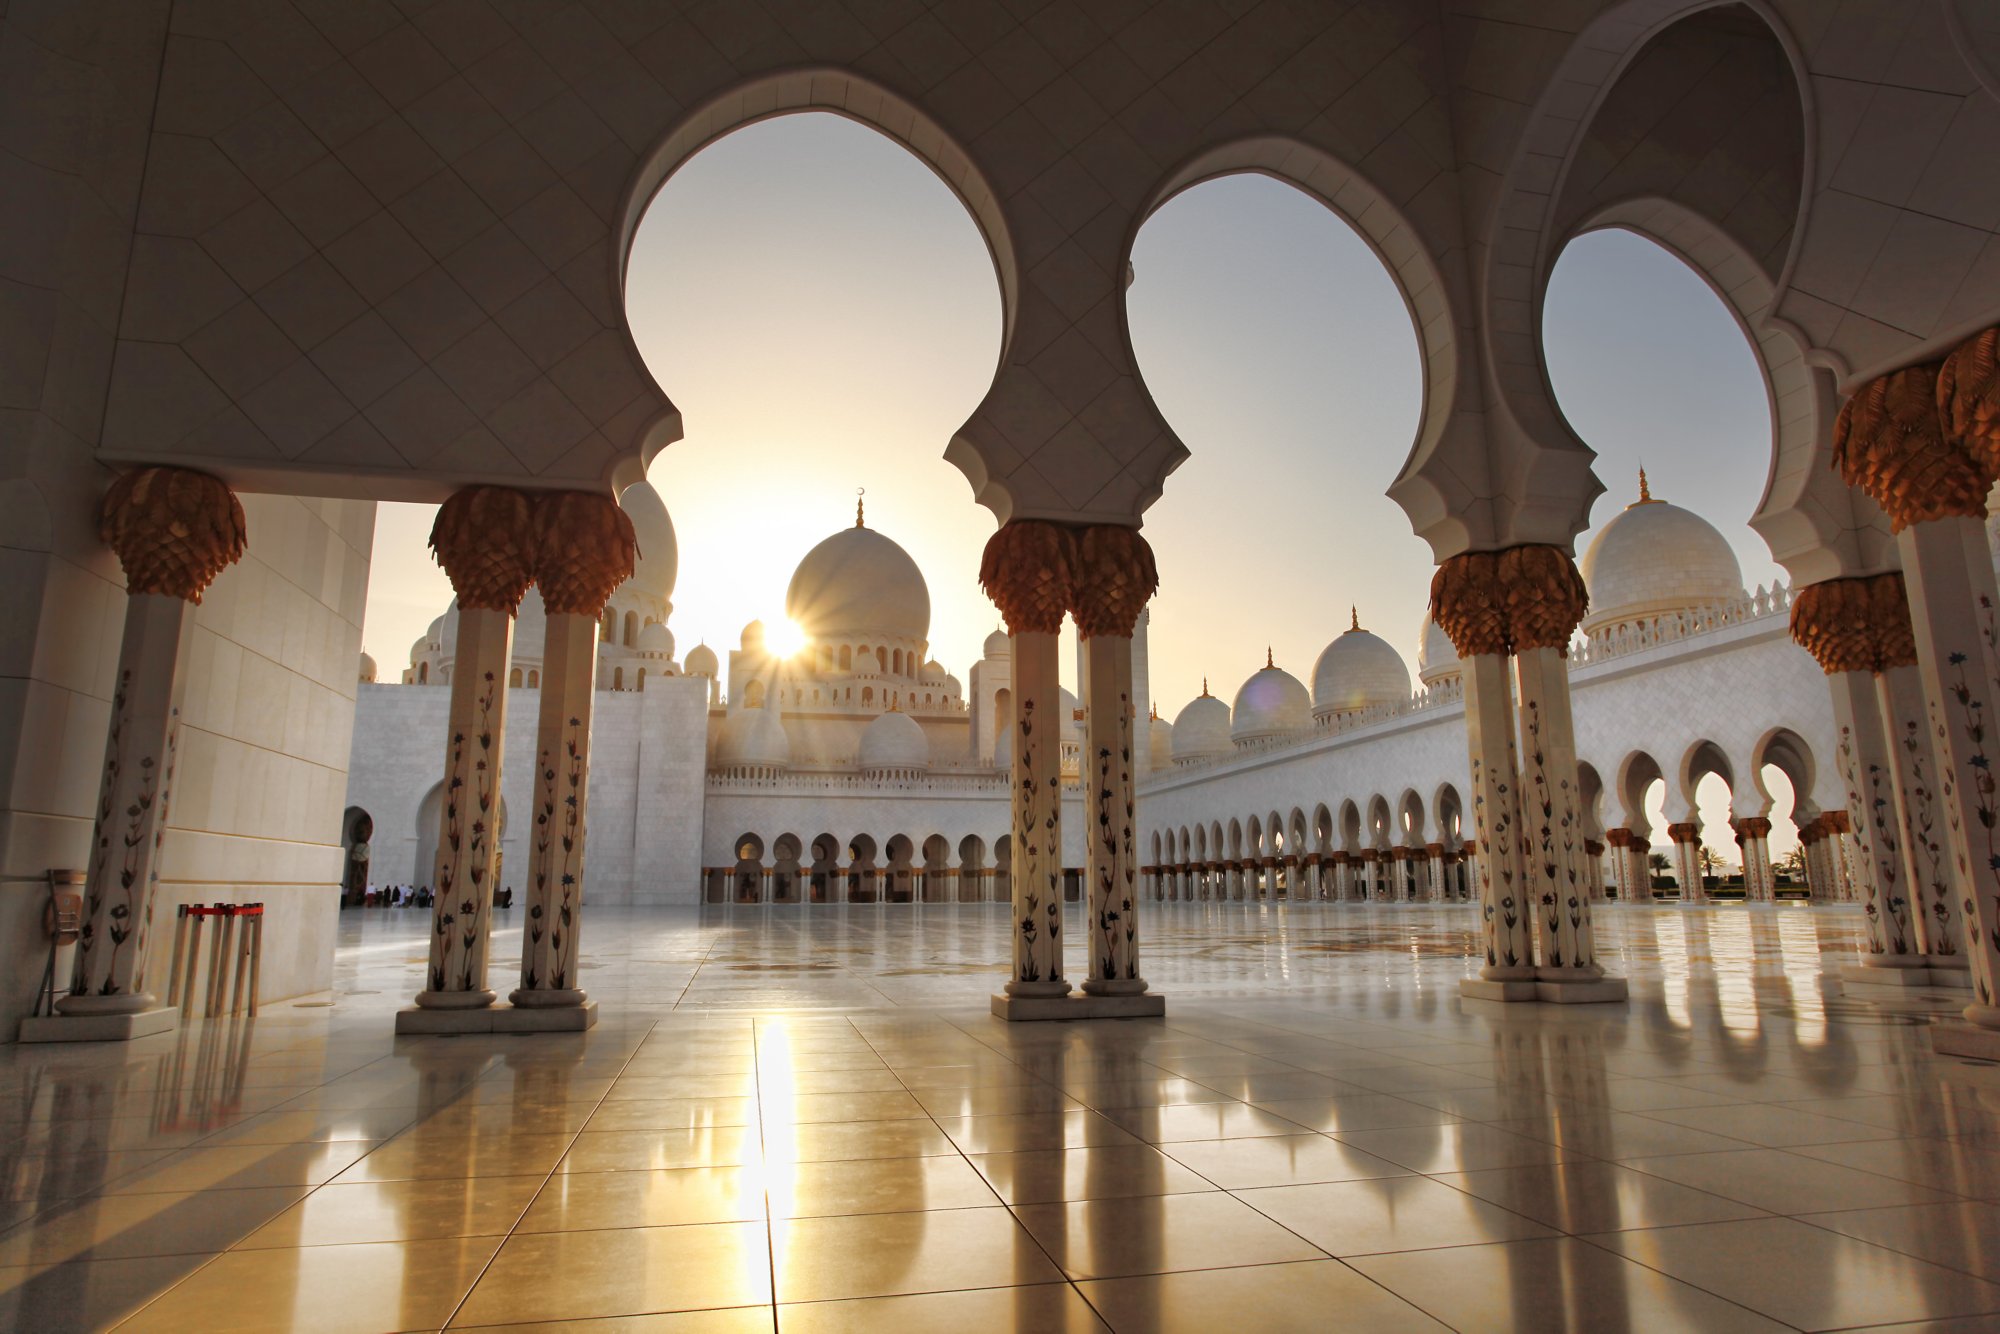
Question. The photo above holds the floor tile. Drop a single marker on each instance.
(1107, 1171)
(1054, 1307)
(1784, 1183)
(1013, 1101)
(624, 1271)
(1825, 1281)
(1304, 1297)
(117, 1227)
(1035, 1130)
(1947, 1165)
(322, 1289)
(1157, 1234)
(421, 1210)
(240, 1166)
(1553, 1284)
(650, 1150)
(1595, 1196)
(1607, 1134)
(874, 1255)
(1772, 1126)
(1963, 1236)
(875, 1185)
(1355, 1111)
(1165, 1125)
(1465, 1146)
(806, 1108)
(1278, 1160)
(665, 1197)
(672, 1114)
(1387, 1214)
(87, 1296)
(835, 1141)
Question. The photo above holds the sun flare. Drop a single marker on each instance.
(783, 637)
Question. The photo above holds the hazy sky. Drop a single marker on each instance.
(824, 313)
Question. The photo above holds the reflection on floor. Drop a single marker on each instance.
(805, 1119)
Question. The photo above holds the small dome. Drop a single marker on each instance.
(1358, 670)
(753, 737)
(657, 640)
(859, 582)
(367, 669)
(1437, 657)
(935, 671)
(894, 741)
(1272, 702)
(420, 650)
(1201, 730)
(1655, 559)
(998, 645)
(659, 555)
(1160, 742)
(701, 662)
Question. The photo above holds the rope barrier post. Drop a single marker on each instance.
(174, 977)
(242, 964)
(256, 953)
(218, 953)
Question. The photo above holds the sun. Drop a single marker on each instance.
(783, 637)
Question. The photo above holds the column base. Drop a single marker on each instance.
(1031, 1009)
(1582, 991)
(543, 998)
(456, 1000)
(1115, 986)
(415, 1021)
(114, 1027)
(1054, 989)
(1970, 1040)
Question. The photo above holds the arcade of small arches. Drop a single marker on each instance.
(860, 869)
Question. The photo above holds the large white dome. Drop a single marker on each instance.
(859, 583)
(753, 737)
(1655, 559)
(659, 554)
(1272, 702)
(658, 641)
(1201, 730)
(701, 661)
(998, 645)
(1358, 670)
(894, 741)
(1437, 656)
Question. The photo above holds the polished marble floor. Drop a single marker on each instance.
(804, 1120)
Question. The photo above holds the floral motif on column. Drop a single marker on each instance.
(1115, 577)
(1029, 570)
(584, 549)
(484, 539)
(173, 530)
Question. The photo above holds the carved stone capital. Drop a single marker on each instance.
(174, 530)
(1754, 826)
(484, 537)
(1115, 577)
(1684, 831)
(1890, 441)
(1029, 570)
(1855, 625)
(584, 549)
(1618, 838)
(1968, 395)
(1511, 601)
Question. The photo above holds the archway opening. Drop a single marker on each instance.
(1297, 388)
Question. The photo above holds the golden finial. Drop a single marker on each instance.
(1645, 492)
(1353, 617)
(1204, 687)
(859, 492)
(1156, 711)
(1268, 664)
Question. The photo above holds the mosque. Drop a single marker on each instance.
(1300, 997)
(859, 769)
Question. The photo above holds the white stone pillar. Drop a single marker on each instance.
(1552, 818)
(1686, 836)
(174, 531)
(1434, 860)
(554, 916)
(1505, 912)
(1934, 911)
(484, 538)
(1114, 907)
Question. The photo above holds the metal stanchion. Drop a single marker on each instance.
(231, 955)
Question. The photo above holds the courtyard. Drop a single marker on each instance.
(805, 1119)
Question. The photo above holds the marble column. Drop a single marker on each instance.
(1753, 838)
(1506, 918)
(1686, 836)
(1114, 578)
(584, 549)
(1593, 853)
(1551, 805)
(1029, 571)
(1620, 841)
(173, 531)
(1468, 856)
(484, 539)
(1434, 860)
(1924, 442)
(1934, 909)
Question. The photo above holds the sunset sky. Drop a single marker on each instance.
(823, 311)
